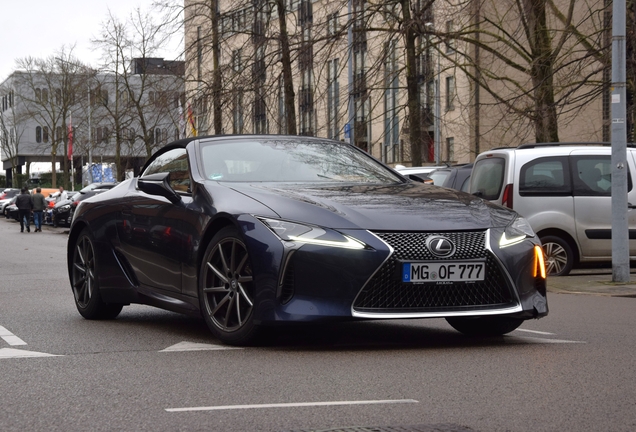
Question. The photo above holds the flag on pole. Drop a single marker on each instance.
(191, 120)
(70, 138)
(182, 123)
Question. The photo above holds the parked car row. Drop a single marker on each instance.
(562, 189)
(57, 212)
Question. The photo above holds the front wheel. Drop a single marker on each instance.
(484, 326)
(226, 289)
(559, 257)
(84, 281)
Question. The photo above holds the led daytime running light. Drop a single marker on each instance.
(349, 244)
(505, 241)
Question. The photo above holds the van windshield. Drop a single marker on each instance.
(487, 178)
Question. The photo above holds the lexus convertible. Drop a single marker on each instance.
(252, 231)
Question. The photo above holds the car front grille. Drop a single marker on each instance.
(386, 293)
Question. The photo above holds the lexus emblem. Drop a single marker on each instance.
(440, 246)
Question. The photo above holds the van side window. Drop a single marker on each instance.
(547, 176)
(593, 176)
(487, 178)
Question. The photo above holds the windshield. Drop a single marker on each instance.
(287, 160)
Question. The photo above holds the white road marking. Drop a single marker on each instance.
(192, 346)
(10, 338)
(542, 340)
(16, 353)
(535, 331)
(287, 405)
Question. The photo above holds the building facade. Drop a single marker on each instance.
(475, 78)
(81, 118)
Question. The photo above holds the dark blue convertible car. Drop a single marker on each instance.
(250, 231)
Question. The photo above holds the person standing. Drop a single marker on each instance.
(62, 196)
(24, 203)
(39, 204)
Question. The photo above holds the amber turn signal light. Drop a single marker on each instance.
(539, 263)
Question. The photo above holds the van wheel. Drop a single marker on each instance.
(559, 258)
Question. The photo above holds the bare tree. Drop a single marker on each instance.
(146, 91)
(539, 61)
(48, 89)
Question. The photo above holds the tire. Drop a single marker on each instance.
(226, 289)
(559, 257)
(84, 281)
(484, 326)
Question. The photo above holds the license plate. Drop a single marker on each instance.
(443, 271)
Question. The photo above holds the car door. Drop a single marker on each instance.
(151, 231)
(592, 181)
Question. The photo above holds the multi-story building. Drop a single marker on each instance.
(475, 88)
(117, 119)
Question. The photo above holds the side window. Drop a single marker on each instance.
(593, 176)
(465, 185)
(176, 163)
(547, 176)
(487, 178)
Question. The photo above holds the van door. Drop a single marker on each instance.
(592, 181)
(544, 194)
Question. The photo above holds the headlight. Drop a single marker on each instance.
(516, 232)
(65, 208)
(296, 232)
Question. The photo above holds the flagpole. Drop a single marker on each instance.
(70, 148)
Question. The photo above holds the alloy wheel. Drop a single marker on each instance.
(556, 258)
(228, 285)
(83, 271)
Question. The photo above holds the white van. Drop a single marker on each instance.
(563, 190)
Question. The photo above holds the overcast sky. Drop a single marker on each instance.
(40, 28)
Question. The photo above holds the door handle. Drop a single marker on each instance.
(631, 206)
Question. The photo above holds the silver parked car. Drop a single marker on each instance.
(563, 190)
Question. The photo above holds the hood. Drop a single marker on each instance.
(405, 206)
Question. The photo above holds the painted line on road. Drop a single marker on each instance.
(546, 341)
(288, 405)
(10, 338)
(535, 331)
(193, 346)
(6, 353)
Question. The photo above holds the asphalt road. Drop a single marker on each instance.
(574, 370)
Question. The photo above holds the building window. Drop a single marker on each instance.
(333, 99)
(199, 55)
(38, 134)
(237, 64)
(100, 134)
(45, 134)
(450, 93)
(450, 149)
(450, 41)
(391, 118)
(260, 115)
(332, 24)
(282, 112)
(237, 113)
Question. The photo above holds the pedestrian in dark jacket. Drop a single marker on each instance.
(39, 204)
(24, 203)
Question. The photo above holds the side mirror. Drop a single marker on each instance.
(158, 184)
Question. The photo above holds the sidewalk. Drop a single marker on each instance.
(592, 281)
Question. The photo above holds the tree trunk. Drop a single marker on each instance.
(216, 78)
(413, 100)
(288, 84)
(545, 119)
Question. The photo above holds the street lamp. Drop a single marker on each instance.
(437, 107)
